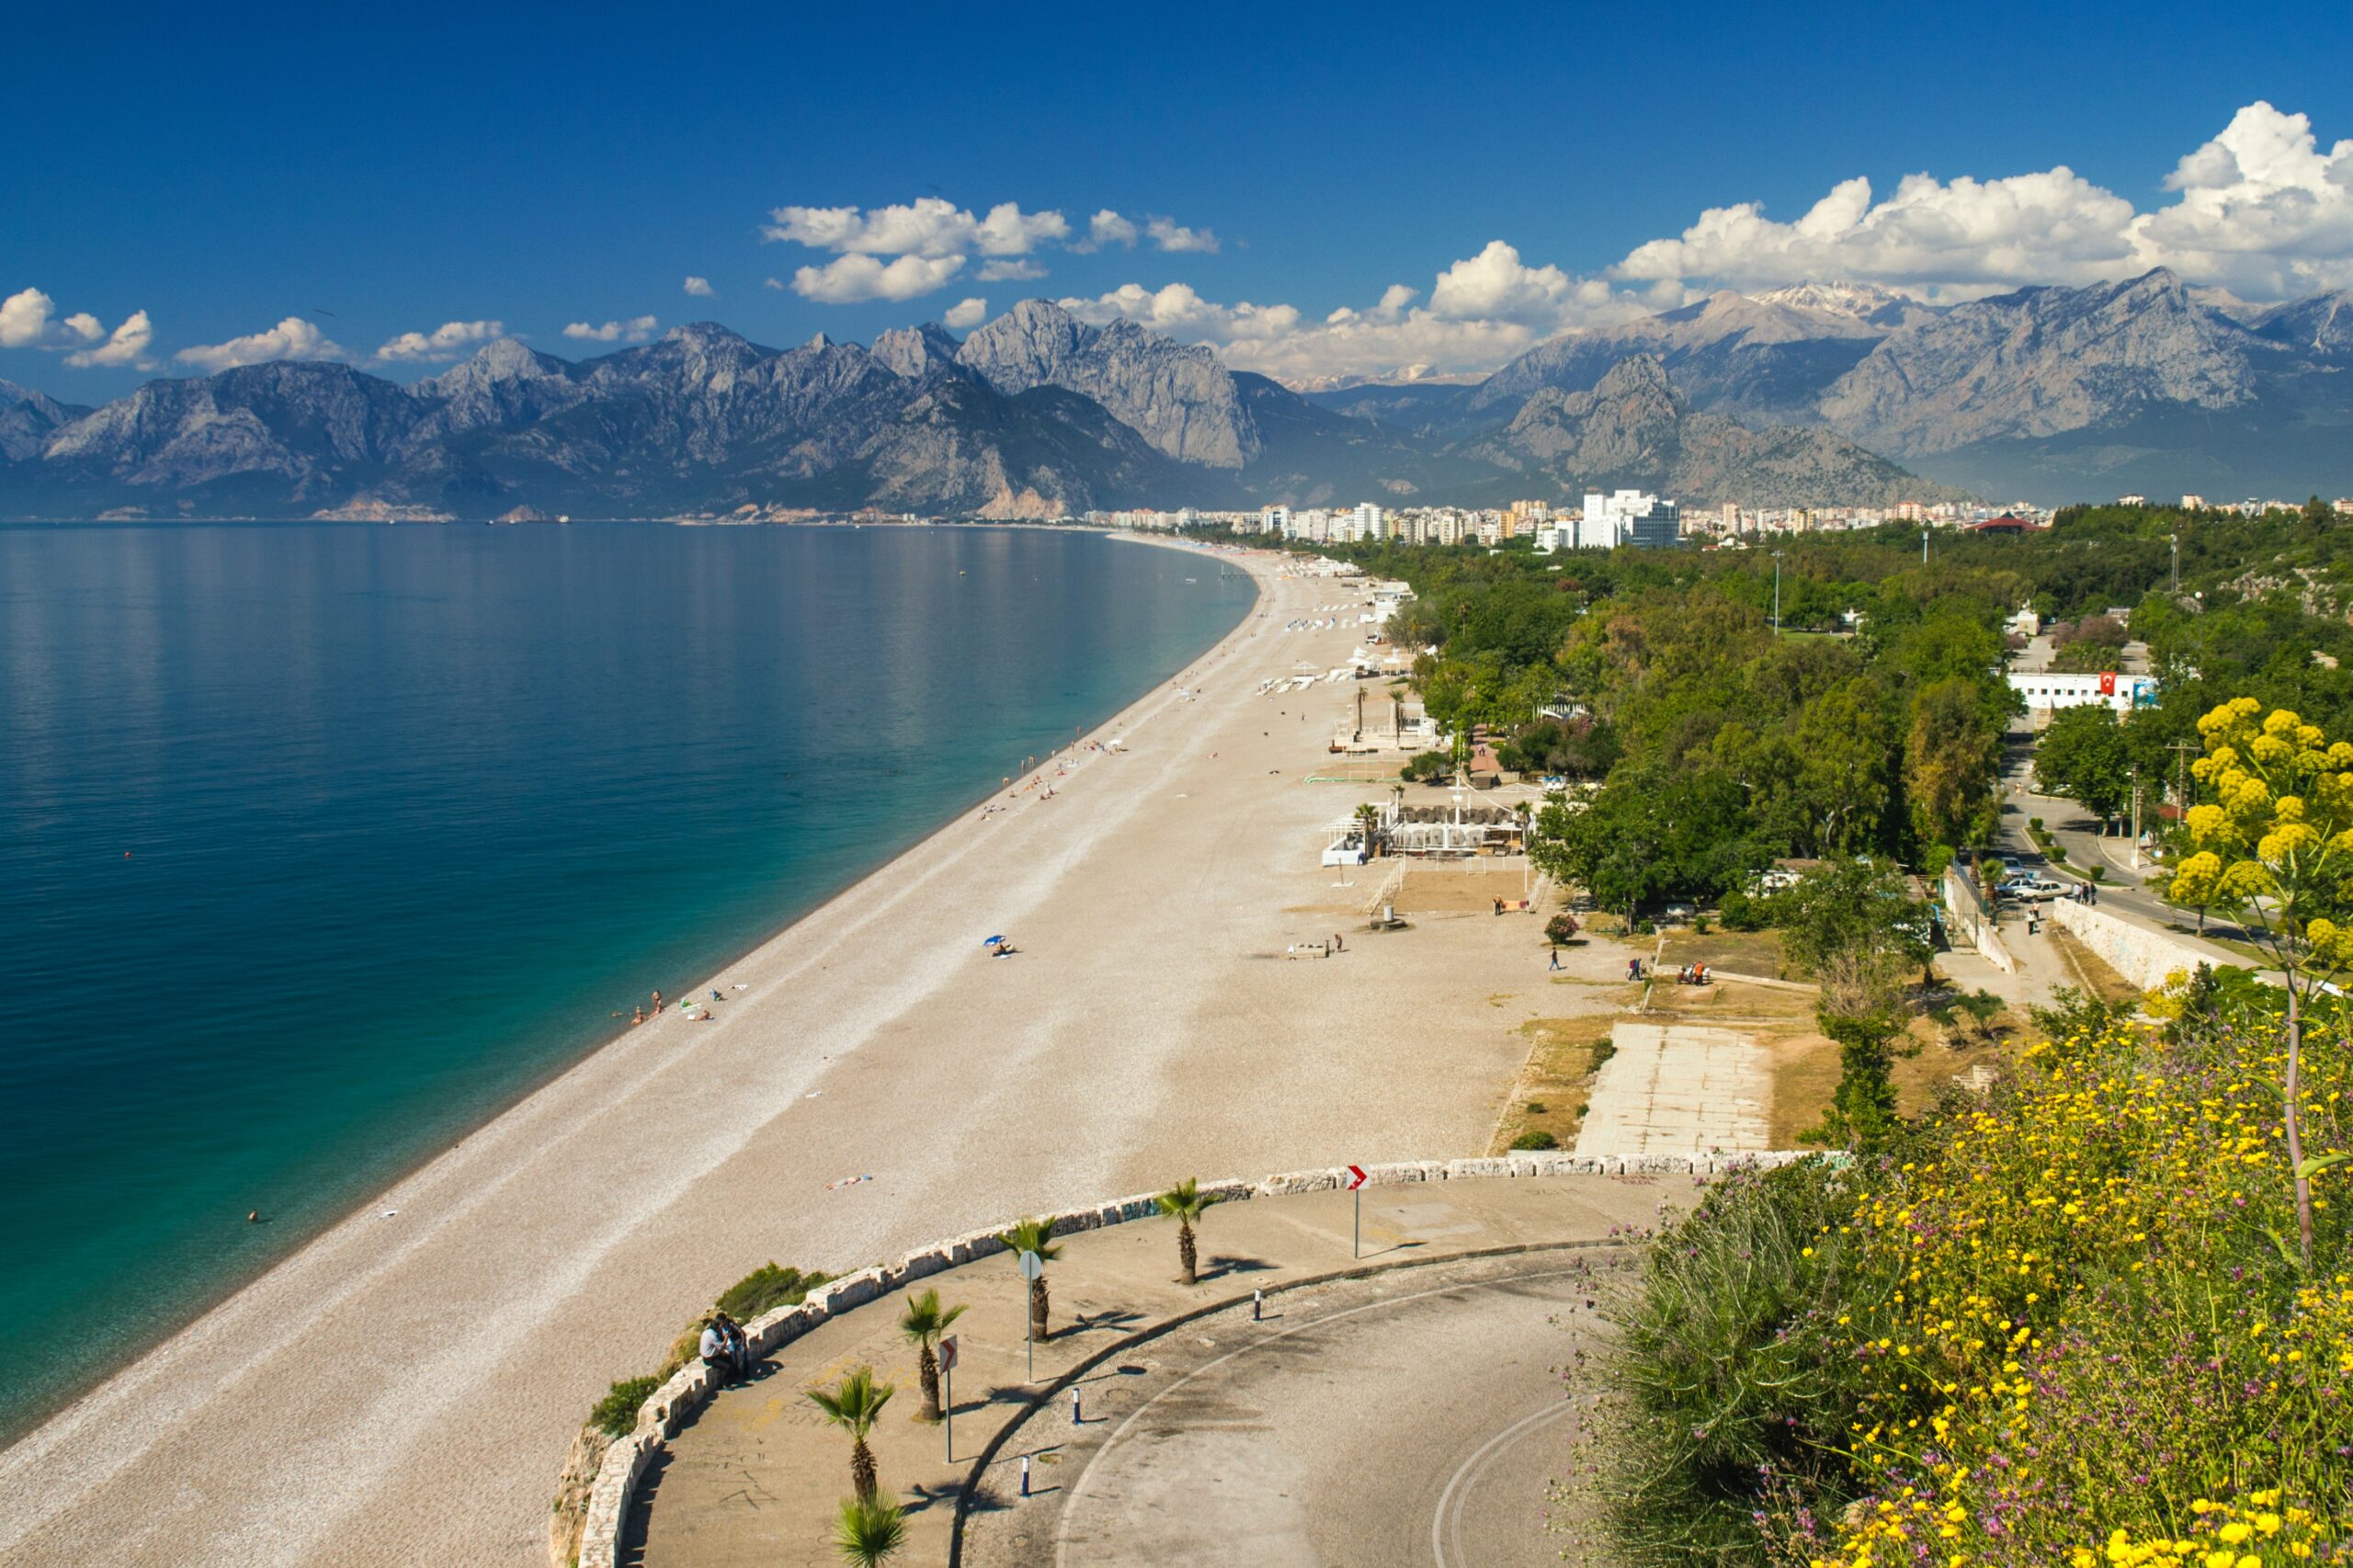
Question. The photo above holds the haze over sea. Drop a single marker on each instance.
(320, 843)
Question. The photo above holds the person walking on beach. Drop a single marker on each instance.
(1556, 958)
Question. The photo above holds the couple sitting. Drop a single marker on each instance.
(1691, 974)
(724, 1349)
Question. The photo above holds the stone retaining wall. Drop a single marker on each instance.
(2143, 956)
(669, 1407)
(1968, 919)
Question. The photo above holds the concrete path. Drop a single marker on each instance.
(1677, 1089)
(756, 1478)
(1414, 1417)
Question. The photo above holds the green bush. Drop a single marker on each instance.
(766, 1288)
(1429, 765)
(1933, 859)
(1536, 1107)
(1561, 927)
(1746, 912)
(2034, 825)
(616, 1413)
(1535, 1138)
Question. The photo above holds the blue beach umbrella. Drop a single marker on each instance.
(993, 941)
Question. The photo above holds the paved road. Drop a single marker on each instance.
(1411, 1418)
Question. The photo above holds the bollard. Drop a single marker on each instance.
(1025, 1475)
(1258, 1305)
(1076, 1419)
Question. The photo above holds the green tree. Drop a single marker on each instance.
(2082, 756)
(869, 1531)
(1855, 927)
(923, 1322)
(1186, 1203)
(1034, 1235)
(1844, 744)
(1647, 833)
(2274, 842)
(1952, 758)
(853, 1406)
(2084, 658)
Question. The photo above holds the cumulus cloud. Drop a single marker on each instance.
(126, 345)
(851, 279)
(1107, 228)
(966, 314)
(929, 227)
(1175, 236)
(28, 319)
(293, 339)
(2259, 210)
(701, 288)
(1496, 284)
(451, 340)
(1018, 270)
(635, 330)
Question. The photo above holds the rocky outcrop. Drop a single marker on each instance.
(2044, 361)
(1182, 399)
(29, 420)
(1636, 429)
(918, 353)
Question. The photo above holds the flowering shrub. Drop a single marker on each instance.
(2064, 1325)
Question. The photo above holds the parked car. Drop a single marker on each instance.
(1682, 913)
(2037, 886)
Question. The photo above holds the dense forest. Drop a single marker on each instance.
(1703, 743)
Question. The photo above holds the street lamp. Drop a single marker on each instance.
(1777, 593)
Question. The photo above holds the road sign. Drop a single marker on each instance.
(1032, 1266)
(1357, 1178)
(948, 1354)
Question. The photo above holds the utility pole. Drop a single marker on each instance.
(2175, 539)
(1777, 593)
(1924, 546)
(2136, 816)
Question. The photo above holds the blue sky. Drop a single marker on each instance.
(262, 181)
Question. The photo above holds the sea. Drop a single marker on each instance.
(319, 844)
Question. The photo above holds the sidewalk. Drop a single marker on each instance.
(757, 1477)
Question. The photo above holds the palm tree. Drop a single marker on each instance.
(1369, 822)
(1185, 1203)
(869, 1531)
(924, 1322)
(855, 1406)
(1034, 1235)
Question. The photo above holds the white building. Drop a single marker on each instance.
(1627, 516)
(2049, 693)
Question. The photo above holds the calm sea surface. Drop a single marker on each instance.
(318, 843)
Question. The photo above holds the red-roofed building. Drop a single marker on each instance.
(2005, 524)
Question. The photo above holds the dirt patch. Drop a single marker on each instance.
(1805, 1075)
(1436, 890)
(2094, 972)
(1744, 953)
(1558, 1076)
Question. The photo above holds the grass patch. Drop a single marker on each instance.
(616, 1415)
(1549, 1097)
(766, 1288)
(1743, 952)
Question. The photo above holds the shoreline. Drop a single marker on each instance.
(42, 1414)
(402, 1389)
(52, 1426)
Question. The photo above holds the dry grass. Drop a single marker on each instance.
(2093, 972)
(1558, 1076)
(1743, 952)
(1805, 1075)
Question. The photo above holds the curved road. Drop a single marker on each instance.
(1411, 1418)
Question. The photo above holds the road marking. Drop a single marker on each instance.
(1444, 1528)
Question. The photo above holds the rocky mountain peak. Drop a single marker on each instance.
(1636, 375)
(915, 352)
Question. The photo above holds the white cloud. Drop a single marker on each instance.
(28, 320)
(850, 278)
(966, 312)
(2260, 209)
(635, 330)
(293, 339)
(1017, 271)
(929, 227)
(128, 345)
(450, 341)
(701, 288)
(24, 319)
(1175, 236)
(1496, 284)
(771, 282)
(1107, 228)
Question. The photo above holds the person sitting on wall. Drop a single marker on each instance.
(715, 1351)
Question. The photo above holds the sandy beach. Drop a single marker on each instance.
(405, 1389)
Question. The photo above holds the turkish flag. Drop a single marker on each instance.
(2108, 683)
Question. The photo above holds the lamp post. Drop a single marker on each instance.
(1777, 593)
(1924, 546)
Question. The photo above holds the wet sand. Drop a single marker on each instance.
(405, 1389)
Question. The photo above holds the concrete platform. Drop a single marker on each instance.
(1678, 1090)
(758, 1476)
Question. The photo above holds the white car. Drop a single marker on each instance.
(2037, 887)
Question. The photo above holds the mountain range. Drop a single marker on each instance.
(1825, 394)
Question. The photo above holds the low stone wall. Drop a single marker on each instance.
(1968, 919)
(669, 1407)
(2143, 956)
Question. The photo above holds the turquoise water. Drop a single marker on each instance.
(319, 844)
